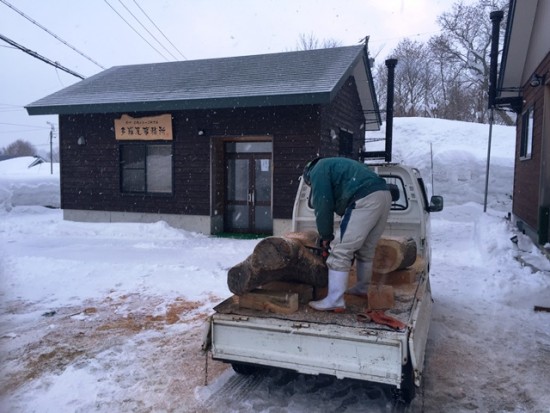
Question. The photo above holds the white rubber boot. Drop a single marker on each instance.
(364, 273)
(334, 301)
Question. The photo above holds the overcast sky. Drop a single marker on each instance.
(199, 29)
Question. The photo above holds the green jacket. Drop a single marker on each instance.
(335, 184)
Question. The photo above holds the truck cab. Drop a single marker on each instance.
(410, 210)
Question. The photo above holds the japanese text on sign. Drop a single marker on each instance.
(147, 128)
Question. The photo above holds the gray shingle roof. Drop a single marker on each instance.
(304, 77)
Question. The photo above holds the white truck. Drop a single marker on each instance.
(342, 344)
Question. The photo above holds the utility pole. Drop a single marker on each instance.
(52, 129)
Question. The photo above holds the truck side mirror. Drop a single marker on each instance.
(436, 203)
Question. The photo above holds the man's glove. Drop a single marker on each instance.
(325, 248)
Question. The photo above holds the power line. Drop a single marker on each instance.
(25, 125)
(132, 27)
(33, 129)
(40, 57)
(50, 33)
(161, 32)
(145, 28)
(7, 107)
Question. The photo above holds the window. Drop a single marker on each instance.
(401, 203)
(146, 168)
(346, 144)
(526, 144)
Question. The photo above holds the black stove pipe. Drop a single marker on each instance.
(390, 64)
(496, 18)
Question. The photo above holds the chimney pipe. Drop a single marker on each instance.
(390, 64)
(496, 18)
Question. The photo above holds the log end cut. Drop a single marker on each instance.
(394, 253)
(288, 258)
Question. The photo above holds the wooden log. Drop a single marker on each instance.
(394, 253)
(277, 259)
(272, 301)
(399, 277)
(307, 238)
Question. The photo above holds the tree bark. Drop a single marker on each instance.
(279, 259)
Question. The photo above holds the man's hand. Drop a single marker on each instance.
(325, 245)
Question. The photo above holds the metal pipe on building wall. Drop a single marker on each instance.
(496, 18)
(390, 64)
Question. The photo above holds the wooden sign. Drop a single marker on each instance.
(149, 128)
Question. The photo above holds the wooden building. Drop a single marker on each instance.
(524, 83)
(211, 146)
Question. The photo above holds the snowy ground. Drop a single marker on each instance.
(108, 317)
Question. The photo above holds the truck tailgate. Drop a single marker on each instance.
(314, 342)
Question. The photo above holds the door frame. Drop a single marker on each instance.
(218, 178)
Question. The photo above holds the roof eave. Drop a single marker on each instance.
(360, 69)
(194, 104)
(518, 33)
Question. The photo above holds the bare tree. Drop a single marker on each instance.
(19, 148)
(450, 92)
(414, 80)
(448, 77)
(465, 43)
(310, 42)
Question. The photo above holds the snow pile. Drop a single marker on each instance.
(455, 154)
(21, 184)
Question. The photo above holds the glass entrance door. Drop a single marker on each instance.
(248, 187)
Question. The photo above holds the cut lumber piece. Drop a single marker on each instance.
(304, 291)
(394, 253)
(399, 277)
(272, 301)
(277, 259)
(381, 297)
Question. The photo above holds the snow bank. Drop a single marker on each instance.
(24, 185)
(453, 155)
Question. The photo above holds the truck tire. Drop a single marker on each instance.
(407, 392)
(246, 369)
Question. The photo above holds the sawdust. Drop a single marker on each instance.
(74, 336)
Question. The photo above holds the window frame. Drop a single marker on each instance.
(146, 146)
(345, 144)
(402, 203)
(527, 131)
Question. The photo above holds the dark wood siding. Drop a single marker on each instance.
(344, 112)
(90, 175)
(292, 149)
(527, 178)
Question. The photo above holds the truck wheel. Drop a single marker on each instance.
(407, 392)
(245, 369)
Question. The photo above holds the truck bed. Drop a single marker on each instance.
(317, 342)
(404, 301)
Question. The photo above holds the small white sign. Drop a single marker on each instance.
(264, 165)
